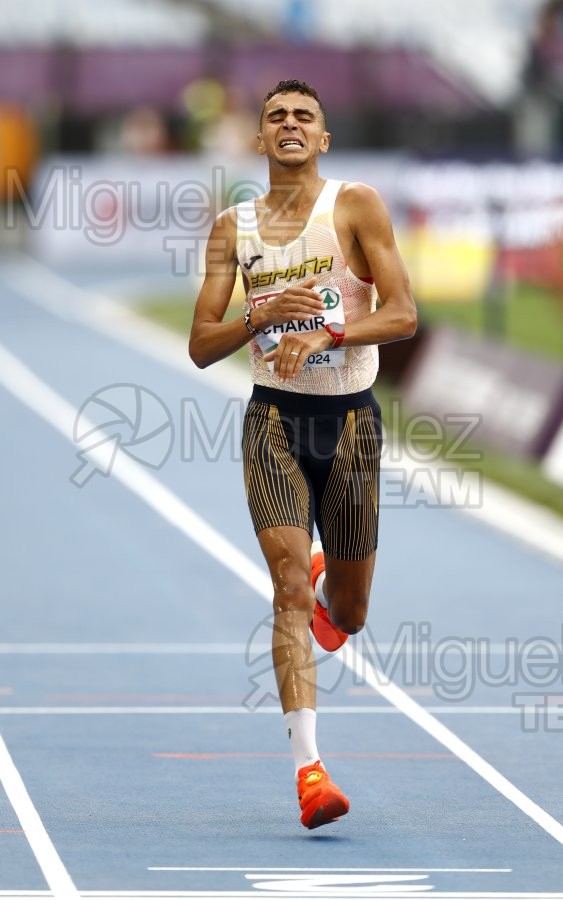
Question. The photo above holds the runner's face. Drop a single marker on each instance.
(292, 129)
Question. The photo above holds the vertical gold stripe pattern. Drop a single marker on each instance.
(349, 508)
(276, 489)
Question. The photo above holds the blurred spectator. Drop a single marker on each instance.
(545, 66)
(204, 100)
(19, 150)
(233, 131)
(144, 132)
(538, 113)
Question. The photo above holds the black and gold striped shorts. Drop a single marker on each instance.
(314, 459)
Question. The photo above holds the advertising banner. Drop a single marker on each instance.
(517, 398)
(454, 221)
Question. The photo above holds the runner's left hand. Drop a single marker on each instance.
(291, 354)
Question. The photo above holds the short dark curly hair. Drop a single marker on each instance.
(294, 87)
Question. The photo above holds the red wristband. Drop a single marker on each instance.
(337, 333)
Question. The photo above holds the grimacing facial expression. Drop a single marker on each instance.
(293, 129)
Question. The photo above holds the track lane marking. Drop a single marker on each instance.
(243, 710)
(276, 895)
(51, 407)
(49, 861)
(211, 755)
(90, 648)
(251, 869)
(143, 649)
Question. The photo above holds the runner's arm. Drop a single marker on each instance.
(211, 339)
(396, 315)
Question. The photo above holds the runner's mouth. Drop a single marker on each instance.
(290, 144)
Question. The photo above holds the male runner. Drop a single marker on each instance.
(325, 285)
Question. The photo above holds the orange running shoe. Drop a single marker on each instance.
(326, 634)
(320, 800)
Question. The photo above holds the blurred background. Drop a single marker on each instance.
(127, 125)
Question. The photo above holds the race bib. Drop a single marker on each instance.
(269, 339)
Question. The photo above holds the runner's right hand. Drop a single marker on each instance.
(299, 302)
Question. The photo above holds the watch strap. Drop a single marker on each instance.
(337, 336)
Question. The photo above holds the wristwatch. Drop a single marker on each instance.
(337, 333)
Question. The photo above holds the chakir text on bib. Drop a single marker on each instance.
(270, 338)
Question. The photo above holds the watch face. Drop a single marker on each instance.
(336, 327)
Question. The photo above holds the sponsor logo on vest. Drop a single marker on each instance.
(313, 266)
(330, 298)
(248, 265)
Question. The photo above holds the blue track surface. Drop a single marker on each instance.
(123, 675)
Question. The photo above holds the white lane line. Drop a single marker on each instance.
(248, 895)
(463, 751)
(494, 895)
(117, 649)
(529, 523)
(76, 648)
(50, 406)
(251, 869)
(70, 302)
(383, 892)
(209, 895)
(261, 710)
(533, 525)
(48, 859)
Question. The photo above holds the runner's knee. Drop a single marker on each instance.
(292, 587)
(349, 612)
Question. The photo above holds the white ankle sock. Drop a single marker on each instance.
(319, 590)
(301, 728)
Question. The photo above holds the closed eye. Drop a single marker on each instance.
(303, 115)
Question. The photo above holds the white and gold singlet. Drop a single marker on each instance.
(269, 269)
